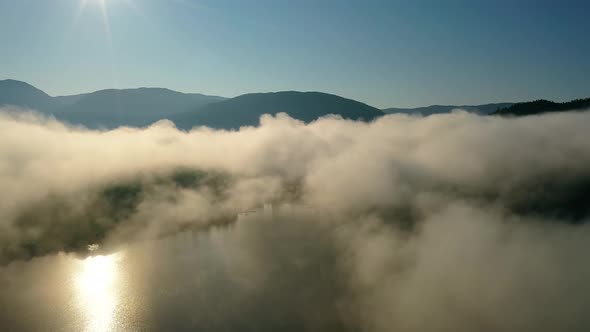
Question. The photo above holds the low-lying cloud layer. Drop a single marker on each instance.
(451, 222)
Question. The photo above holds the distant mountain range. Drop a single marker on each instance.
(438, 109)
(144, 106)
(543, 106)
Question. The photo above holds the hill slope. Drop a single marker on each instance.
(105, 108)
(22, 94)
(543, 106)
(247, 109)
(439, 109)
(128, 107)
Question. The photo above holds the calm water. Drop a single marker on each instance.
(220, 280)
(125, 290)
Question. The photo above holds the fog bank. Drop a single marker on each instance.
(450, 222)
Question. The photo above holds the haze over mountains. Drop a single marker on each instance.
(112, 108)
(439, 109)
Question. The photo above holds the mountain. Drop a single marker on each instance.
(129, 107)
(68, 100)
(106, 108)
(438, 109)
(22, 94)
(140, 107)
(245, 110)
(543, 106)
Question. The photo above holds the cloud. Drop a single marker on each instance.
(450, 222)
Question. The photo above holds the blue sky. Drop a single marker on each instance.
(384, 53)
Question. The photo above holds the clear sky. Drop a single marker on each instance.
(384, 53)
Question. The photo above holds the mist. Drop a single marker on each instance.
(450, 222)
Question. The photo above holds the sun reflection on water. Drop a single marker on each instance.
(96, 286)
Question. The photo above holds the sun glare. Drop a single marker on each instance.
(96, 285)
(101, 3)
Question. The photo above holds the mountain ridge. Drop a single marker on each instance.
(439, 109)
(540, 106)
(106, 108)
(19, 93)
(139, 107)
(245, 110)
